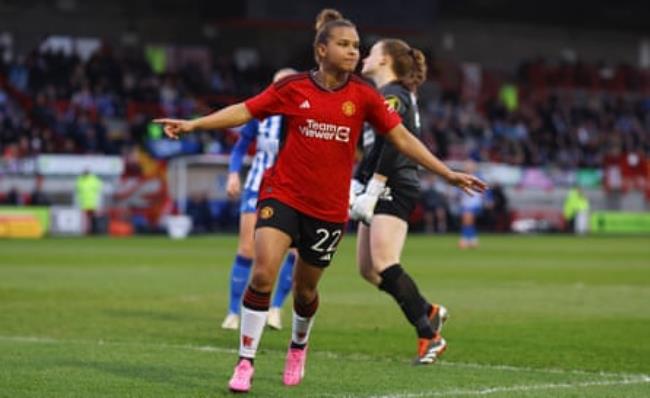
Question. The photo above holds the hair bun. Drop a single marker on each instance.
(327, 15)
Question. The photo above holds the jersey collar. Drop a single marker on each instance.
(312, 77)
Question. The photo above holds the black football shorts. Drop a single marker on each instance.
(316, 240)
(399, 203)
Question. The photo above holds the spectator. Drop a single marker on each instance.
(496, 214)
(37, 196)
(198, 208)
(88, 198)
(12, 198)
(435, 207)
(576, 211)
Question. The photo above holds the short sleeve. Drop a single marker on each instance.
(380, 114)
(265, 104)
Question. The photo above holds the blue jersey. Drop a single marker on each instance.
(267, 134)
(473, 203)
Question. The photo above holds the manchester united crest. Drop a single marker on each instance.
(266, 212)
(348, 108)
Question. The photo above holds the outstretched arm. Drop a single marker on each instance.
(410, 146)
(230, 116)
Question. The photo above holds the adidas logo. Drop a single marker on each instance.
(305, 105)
(326, 257)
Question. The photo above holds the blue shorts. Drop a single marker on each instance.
(248, 201)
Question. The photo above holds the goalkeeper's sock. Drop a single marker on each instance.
(255, 309)
(396, 282)
(285, 281)
(241, 269)
(303, 320)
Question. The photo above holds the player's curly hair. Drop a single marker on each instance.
(326, 20)
(409, 64)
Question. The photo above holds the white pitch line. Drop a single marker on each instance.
(515, 388)
(512, 368)
(471, 365)
(49, 340)
(327, 354)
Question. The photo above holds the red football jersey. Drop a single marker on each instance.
(313, 169)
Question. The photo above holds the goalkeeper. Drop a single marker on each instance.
(392, 189)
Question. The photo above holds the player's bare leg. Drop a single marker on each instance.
(387, 237)
(364, 260)
(468, 238)
(271, 245)
(305, 297)
(283, 288)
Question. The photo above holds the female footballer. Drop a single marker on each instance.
(304, 195)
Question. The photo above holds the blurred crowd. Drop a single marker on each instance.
(51, 102)
(568, 129)
(570, 115)
(567, 115)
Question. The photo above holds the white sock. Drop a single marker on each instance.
(250, 333)
(300, 328)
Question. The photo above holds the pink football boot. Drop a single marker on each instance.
(294, 367)
(241, 379)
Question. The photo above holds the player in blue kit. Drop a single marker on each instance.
(267, 134)
(470, 208)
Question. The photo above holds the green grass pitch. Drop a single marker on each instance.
(535, 316)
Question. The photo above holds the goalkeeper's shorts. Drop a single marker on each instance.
(398, 203)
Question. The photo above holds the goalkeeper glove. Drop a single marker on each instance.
(356, 188)
(364, 204)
